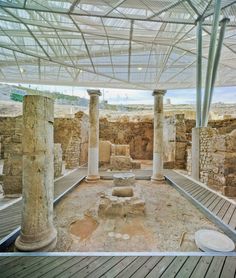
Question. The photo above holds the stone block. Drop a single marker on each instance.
(229, 191)
(120, 150)
(12, 185)
(136, 164)
(123, 191)
(121, 162)
(104, 151)
(230, 180)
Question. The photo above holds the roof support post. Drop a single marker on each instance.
(199, 75)
(223, 24)
(211, 58)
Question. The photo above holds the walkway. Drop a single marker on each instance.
(221, 211)
(10, 217)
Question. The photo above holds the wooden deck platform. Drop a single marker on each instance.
(218, 209)
(10, 217)
(119, 266)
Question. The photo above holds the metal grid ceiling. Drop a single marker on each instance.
(145, 44)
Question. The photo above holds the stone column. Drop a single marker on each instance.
(37, 230)
(157, 174)
(93, 174)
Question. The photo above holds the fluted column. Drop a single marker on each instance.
(93, 174)
(37, 230)
(157, 174)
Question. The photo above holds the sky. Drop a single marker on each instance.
(122, 96)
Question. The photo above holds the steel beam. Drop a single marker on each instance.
(223, 24)
(199, 75)
(211, 58)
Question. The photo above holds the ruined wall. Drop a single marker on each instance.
(207, 138)
(11, 152)
(180, 142)
(138, 135)
(222, 174)
(223, 126)
(72, 134)
(217, 160)
(58, 162)
(9, 127)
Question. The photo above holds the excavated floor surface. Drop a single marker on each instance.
(168, 225)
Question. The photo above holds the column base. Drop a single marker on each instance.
(158, 179)
(92, 178)
(26, 244)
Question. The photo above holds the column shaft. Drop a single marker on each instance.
(37, 230)
(93, 157)
(158, 136)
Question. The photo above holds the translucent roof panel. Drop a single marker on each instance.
(145, 44)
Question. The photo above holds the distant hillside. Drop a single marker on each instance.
(9, 92)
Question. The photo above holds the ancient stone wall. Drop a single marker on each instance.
(11, 152)
(207, 137)
(139, 136)
(222, 174)
(9, 127)
(72, 134)
(217, 160)
(180, 142)
(223, 126)
(58, 162)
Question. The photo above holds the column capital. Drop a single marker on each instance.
(159, 92)
(94, 92)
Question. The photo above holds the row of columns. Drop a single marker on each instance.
(37, 230)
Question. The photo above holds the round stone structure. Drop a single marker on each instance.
(124, 179)
(213, 241)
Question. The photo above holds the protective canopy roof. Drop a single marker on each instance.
(143, 44)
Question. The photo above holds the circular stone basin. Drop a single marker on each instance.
(210, 241)
(124, 179)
